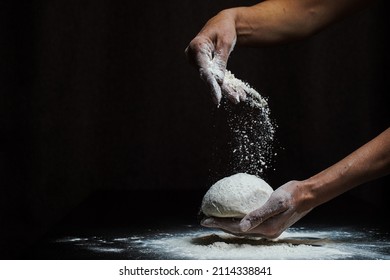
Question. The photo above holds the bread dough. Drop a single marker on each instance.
(235, 196)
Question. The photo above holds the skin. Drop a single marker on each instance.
(269, 23)
(295, 199)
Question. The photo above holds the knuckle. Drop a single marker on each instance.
(198, 44)
(283, 203)
(227, 43)
(255, 218)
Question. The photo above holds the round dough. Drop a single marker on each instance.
(235, 196)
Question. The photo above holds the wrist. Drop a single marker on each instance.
(244, 30)
(309, 193)
(322, 187)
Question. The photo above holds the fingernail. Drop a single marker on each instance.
(217, 95)
(216, 100)
(207, 221)
(245, 225)
(243, 97)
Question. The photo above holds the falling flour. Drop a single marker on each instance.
(254, 98)
(250, 129)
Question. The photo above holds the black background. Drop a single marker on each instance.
(97, 100)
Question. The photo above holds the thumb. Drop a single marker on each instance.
(258, 216)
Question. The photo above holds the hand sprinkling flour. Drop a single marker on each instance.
(251, 128)
(264, 24)
(209, 53)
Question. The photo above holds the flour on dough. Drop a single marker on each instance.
(235, 196)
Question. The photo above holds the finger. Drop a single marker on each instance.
(227, 224)
(199, 51)
(230, 93)
(207, 222)
(272, 227)
(212, 84)
(233, 227)
(211, 60)
(234, 94)
(242, 94)
(218, 68)
(224, 47)
(187, 53)
(258, 216)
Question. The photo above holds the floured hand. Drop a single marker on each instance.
(209, 52)
(286, 206)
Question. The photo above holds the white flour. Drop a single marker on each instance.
(189, 242)
(217, 245)
(254, 98)
(251, 130)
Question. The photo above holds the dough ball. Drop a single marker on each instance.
(235, 196)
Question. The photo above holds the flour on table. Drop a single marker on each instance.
(235, 196)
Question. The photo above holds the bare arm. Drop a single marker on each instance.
(275, 22)
(280, 21)
(295, 199)
(367, 163)
(269, 22)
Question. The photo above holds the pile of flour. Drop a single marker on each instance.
(208, 245)
(251, 130)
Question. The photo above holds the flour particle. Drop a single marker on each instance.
(250, 130)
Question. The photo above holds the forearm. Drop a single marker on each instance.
(369, 162)
(280, 21)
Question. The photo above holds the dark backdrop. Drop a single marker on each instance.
(98, 96)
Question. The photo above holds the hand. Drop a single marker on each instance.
(287, 205)
(209, 52)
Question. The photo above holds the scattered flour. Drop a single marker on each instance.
(193, 242)
(250, 129)
(254, 98)
(222, 246)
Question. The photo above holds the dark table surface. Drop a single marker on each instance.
(117, 225)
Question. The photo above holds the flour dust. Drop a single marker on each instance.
(249, 130)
